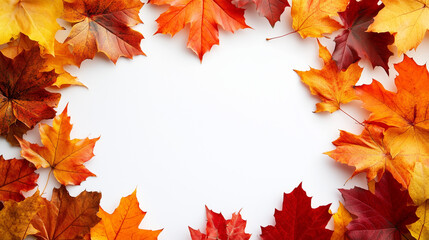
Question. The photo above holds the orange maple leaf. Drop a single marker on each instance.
(23, 97)
(405, 112)
(123, 223)
(331, 85)
(204, 16)
(65, 157)
(312, 18)
(15, 47)
(63, 57)
(371, 153)
(103, 26)
(67, 217)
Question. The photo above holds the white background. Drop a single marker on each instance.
(234, 132)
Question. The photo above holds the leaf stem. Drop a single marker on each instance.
(47, 181)
(354, 119)
(284, 35)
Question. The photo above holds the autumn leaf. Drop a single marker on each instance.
(405, 112)
(383, 215)
(65, 157)
(66, 217)
(103, 26)
(408, 20)
(15, 47)
(204, 17)
(16, 176)
(219, 228)
(35, 18)
(419, 192)
(63, 57)
(370, 153)
(355, 42)
(342, 218)
(123, 223)
(298, 220)
(23, 97)
(15, 218)
(18, 129)
(312, 18)
(270, 9)
(331, 85)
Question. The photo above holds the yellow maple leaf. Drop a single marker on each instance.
(342, 218)
(16, 216)
(35, 18)
(419, 192)
(312, 18)
(408, 20)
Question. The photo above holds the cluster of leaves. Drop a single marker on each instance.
(392, 149)
(64, 217)
(31, 61)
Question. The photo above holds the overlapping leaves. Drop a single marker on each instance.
(392, 148)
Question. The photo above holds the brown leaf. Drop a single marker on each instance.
(66, 217)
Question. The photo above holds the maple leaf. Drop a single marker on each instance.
(408, 20)
(342, 218)
(297, 220)
(66, 217)
(219, 228)
(65, 157)
(63, 57)
(15, 47)
(35, 18)
(419, 192)
(270, 9)
(123, 223)
(103, 26)
(23, 96)
(15, 218)
(312, 18)
(204, 17)
(16, 176)
(355, 43)
(331, 85)
(405, 112)
(18, 129)
(370, 153)
(383, 215)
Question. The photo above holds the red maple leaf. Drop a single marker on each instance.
(383, 215)
(297, 220)
(219, 228)
(355, 42)
(16, 176)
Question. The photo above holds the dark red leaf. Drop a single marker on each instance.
(354, 43)
(383, 215)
